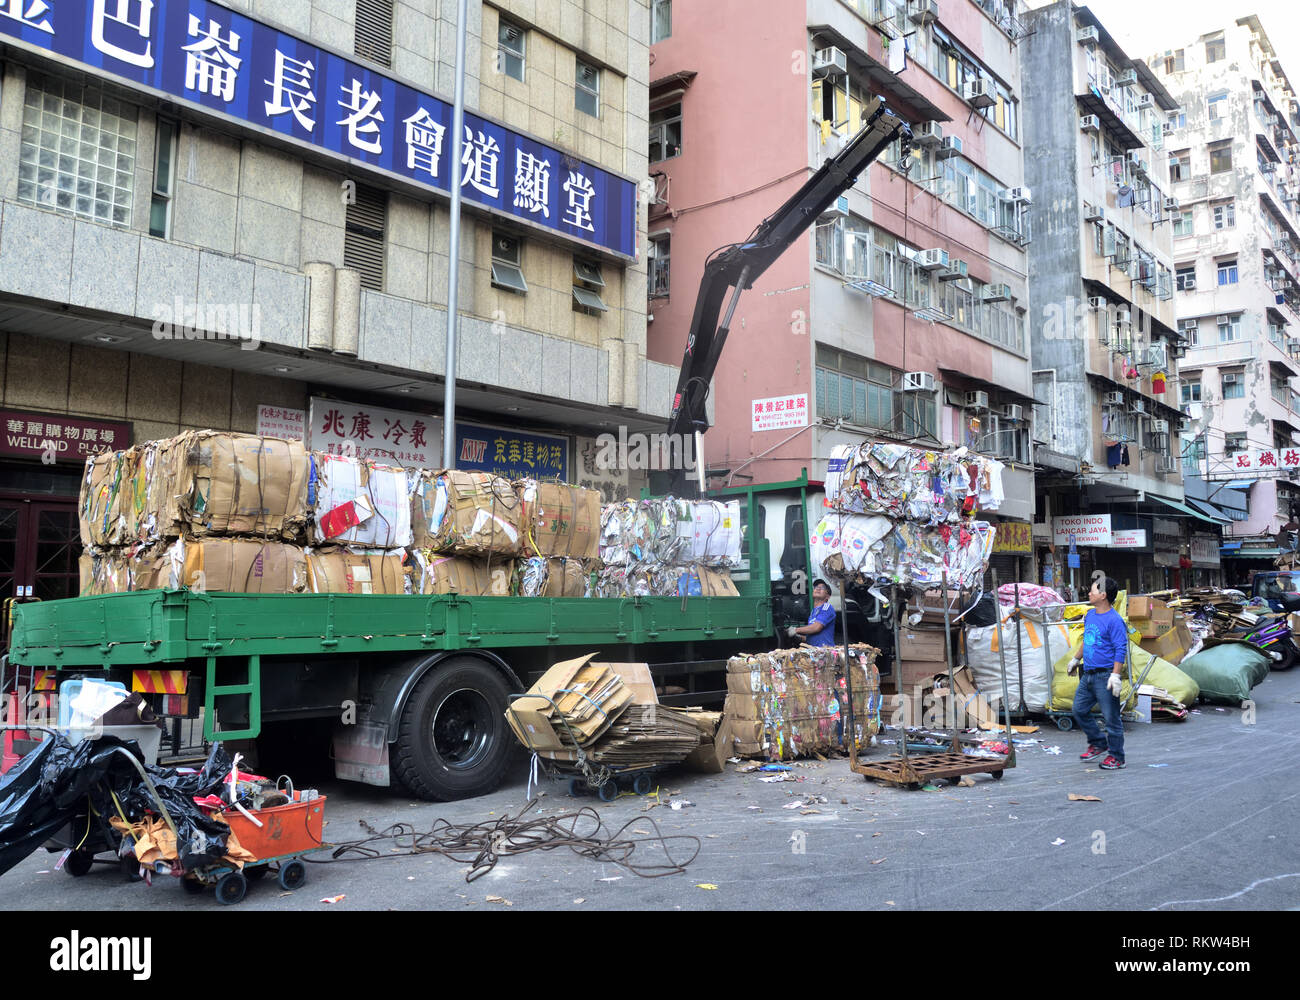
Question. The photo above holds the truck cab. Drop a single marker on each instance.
(1280, 590)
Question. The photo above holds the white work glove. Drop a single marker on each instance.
(792, 631)
(1113, 684)
(1074, 666)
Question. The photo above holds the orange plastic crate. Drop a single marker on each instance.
(295, 828)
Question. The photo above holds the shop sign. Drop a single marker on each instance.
(53, 438)
(209, 57)
(1129, 538)
(1204, 550)
(512, 454)
(393, 437)
(281, 422)
(1013, 538)
(1086, 529)
(779, 413)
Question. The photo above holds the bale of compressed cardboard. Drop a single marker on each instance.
(105, 507)
(557, 576)
(236, 565)
(344, 571)
(358, 502)
(559, 520)
(218, 483)
(790, 702)
(436, 573)
(465, 513)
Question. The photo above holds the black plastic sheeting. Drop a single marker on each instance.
(58, 783)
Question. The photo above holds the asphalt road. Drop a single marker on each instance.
(1205, 816)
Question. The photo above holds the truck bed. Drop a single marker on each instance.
(152, 627)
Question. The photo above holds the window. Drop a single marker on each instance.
(587, 283)
(1221, 159)
(1224, 215)
(657, 262)
(1183, 225)
(507, 263)
(1228, 272)
(1191, 331)
(1186, 277)
(586, 89)
(374, 33)
(1176, 62)
(1180, 165)
(1194, 452)
(1191, 392)
(917, 414)
(666, 132)
(1234, 442)
(853, 389)
(510, 49)
(1215, 48)
(661, 20)
(163, 178)
(1218, 105)
(363, 236)
(1229, 329)
(829, 238)
(78, 151)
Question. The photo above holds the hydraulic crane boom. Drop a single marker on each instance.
(740, 265)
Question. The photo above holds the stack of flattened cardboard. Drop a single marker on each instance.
(336, 570)
(466, 513)
(237, 565)
(789, 703)
(647, 736)
(569, 707)
(559, 520)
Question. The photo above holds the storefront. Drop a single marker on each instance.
(1203, 553)
(41, 460)
(1013, 552)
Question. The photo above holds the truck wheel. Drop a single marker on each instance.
(452, 740)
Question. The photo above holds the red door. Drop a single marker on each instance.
(39, 548)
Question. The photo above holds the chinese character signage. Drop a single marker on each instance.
(390, 437)
(1013, 538)
(281, 422)
(511, 454)
(1265, 461)
(1087, 529)
(779, 412)
(55, 438)
(212, 57)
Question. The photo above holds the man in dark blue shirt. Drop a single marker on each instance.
(820, 630)
(1104, 654)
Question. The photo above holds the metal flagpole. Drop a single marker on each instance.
(453, 249)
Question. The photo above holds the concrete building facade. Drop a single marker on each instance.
(1104, 341)
(140, 198)
(901, 313)
(1233, 149)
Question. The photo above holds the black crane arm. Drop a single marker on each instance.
(740, 265)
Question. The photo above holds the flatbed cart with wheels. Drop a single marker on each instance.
(276, 835)
(582, 774)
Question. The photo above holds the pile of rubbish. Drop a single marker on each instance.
(219, 511)
(792, 702)
(906, 515)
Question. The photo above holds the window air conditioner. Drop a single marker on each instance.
(996, 293)
(1090, 123)
(1230, 379)
(951, 146)
(1097, 303)
(1127, 78)
(1113, 399)
(928, 134)
(1145, 101)
(1017, 194)
(1159, 426)
(957, 269)
(933, 260)
(1087, 36)
(830, 62)
(1139, 406)
(923, 11)
(977, 400)
(1014, 412)
(1093, 213)
(1171, 204)
(977, 93)
(918, 382)
(1122, 317)
(1167, 128)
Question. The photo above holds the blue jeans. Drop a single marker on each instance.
(1093, 691)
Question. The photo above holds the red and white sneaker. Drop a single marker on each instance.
(1092, 752)
(1111, 764)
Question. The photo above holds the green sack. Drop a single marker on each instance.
(1228, 671)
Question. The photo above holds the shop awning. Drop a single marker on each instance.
(1182, 508)
(1210, 510)
(1230, 546)
(1253, 553)
(1241, 484)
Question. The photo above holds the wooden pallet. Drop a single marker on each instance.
(917, 770)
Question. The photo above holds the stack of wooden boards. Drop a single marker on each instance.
(219, 511)
(609, 714)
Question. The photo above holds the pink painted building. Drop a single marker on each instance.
(900, 314)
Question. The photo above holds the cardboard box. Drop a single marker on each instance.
(338, 571)
(589, 697)
(921, 644)
(1162, 613)
(715, 743)
(639, 681)
(1171, 645)
(1293, 619)
(466, 513)
(701, 581)
(561, 520)
(1139, 606)
(1149, 628)
(910, 674)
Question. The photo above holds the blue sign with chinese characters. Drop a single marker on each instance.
(212, 57)
(511, 454)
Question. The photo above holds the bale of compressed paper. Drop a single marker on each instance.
(355, 501)
(466, 513)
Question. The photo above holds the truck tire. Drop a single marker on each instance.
(452, 739)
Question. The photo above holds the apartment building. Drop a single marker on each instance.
(901, 313)
(1105, 344)
(236, 216)
(1232, 151)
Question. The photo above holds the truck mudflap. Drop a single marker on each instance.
(361, 753)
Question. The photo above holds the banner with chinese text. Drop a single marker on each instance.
(281, 422)
(392, 437)
(62, 438)
(511, 454)
(214, 58)
(780, 412)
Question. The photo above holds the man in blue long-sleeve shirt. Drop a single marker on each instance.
(1104, 653)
